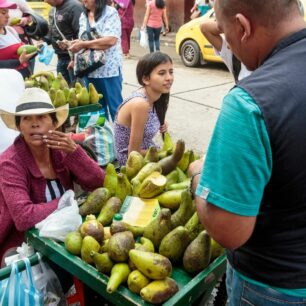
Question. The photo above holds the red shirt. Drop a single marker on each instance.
(9, 44)
(22, 188)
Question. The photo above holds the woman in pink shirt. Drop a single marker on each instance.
(153, 20)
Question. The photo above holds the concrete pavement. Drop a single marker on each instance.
(196, 95)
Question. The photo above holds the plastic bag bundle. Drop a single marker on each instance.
(143, 39)
(20, 288)
(46, 54)
(63, 220)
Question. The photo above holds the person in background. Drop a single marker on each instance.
(251, 197)
(39, 166)
(127, 25)
(142, 114)
(11, 88)
(64, 17)
(23, 13)
(10, 42)
(106, 28)
(203, 6)
(155, 15)
(213, 34)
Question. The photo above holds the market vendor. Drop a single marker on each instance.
(39, 166)
(142, 114)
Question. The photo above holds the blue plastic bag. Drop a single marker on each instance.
(46, 54)
(18, 289)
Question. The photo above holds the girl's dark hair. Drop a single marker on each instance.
(52, 115)
(160, 4)
(144, 68)
(133, 1)
(100, 6)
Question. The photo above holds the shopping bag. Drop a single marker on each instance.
(63, 220)
(143, 39)
(46, 54)
(20, 289)
(47, 282)
(102, 142)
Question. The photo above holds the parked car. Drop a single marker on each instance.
(192, 45)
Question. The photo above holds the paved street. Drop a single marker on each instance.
(196, 95)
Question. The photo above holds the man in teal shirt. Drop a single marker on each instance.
(250, 196)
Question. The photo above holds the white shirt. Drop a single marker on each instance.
(227, 55)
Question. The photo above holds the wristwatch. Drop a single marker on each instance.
(191, 183)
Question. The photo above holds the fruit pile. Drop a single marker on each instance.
(59, 91)
(143, 256)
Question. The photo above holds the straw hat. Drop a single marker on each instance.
(34, 101)
(7, 5)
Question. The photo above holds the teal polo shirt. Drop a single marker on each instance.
(238, 163)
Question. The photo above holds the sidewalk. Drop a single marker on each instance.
(167, 40)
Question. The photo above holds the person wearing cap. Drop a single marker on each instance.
(39, 166)
(10, 42)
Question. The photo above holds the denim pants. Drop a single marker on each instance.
(153, 37)
(111, 89)
(62, 64)
(243, 293)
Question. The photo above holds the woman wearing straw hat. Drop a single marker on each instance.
(39, 166)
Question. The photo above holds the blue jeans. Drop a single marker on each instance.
(153, 37)
(111, 89)
(62, 64)
(243, 293)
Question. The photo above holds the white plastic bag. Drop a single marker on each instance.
(47, 282)
(63, 220)
(143, 39)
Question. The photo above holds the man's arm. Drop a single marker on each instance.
(212, 33)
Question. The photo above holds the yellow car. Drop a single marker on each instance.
(41, 8)
(192, 45)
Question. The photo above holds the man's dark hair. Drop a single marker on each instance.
(52, 115)
(267, 12)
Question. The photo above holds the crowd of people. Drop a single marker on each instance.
(250, 198)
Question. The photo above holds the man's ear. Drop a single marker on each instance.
(245, 26)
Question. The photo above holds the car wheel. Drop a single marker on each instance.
(190, 53)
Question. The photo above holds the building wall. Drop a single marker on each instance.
(178, 12)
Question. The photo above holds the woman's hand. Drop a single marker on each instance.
(24, 57)
(70, 65)
(164, 128)
(77, 45)
(59, 141)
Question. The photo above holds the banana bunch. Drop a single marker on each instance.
(59, 90)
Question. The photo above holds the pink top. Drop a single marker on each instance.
(156, 16)
(22, 188)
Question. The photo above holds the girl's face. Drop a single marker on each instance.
(89, 4)
(161, 78)
(4, 17)
(33, 127)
